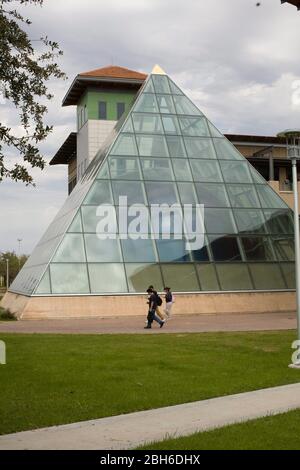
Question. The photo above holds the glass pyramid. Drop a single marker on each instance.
(166, 151)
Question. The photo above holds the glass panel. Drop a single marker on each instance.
(161, 193)
(257, 178)
(69, 279)
(128, 127)
(201, 254)
(148, 88)
(196, 127)
(208, 277)
(289, 275)
(147, 123)
(182, 170)
(266, 276)
(71, 249)
(161, 83)
(185, 106)
(206, 171)
(187, 193)
(101, 250)
(103, 172)
(176, 147)
(152, 146)
(157, 169)
(225, 248)
(234, 277)
(146, 104)
(100, 193)
(134, 191)
(138, 251)
(279, 221)
(212, 195)
(172, 251)
(174, 88)
(180, 278)
(284, 248)
(199, 148)
(219, 221)
(213, 130)
(257, 249)
(107, 278)
(171, 125)
(243, 195)
(76, 225)
(124, 145)
(225, 150)
(90, 219)
(140, 276)
(269, 199)
(44, 285)
(235, 172)
(126, 168)
(250, 221)
(165, 104)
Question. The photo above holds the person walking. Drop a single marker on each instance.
(159, 303)
(152, 309)
(169, 298)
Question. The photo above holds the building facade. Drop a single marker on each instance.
(162, 152)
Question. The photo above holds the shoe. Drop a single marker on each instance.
(162, 323)
(147, 327)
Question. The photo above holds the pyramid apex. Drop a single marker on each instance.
(157, 70)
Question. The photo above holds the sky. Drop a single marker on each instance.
(238, 62)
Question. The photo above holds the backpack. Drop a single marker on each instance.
(159, 300)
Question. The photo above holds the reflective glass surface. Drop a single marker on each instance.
(212, 195)
(182, 170)
(243, 195)
(164, 151)
(206, 171)
(199, 147)
(101, 250)
(180, 278)
(207, 277)
(141, 276)
(157, 169)
(152, 146)
(234, 277)
(267, 276)
(107, 278)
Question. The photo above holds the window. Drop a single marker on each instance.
(120, 109)
(102, 112)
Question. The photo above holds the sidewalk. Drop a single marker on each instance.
(132, 430)
(178, 324)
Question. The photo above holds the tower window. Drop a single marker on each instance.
(120, 109)
(102, 110)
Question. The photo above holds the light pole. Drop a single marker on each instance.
(292, 137)
(19, 241)
(7, 273)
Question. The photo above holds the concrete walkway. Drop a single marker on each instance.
(178, 324)
(132, 430)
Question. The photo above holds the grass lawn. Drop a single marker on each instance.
(56, 379)
(279, 432)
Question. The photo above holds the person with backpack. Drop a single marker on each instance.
(169, 298)
(153, 299)
(159, 304)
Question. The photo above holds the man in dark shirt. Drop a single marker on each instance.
(152, 307)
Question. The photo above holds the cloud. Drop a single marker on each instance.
(238, 62)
